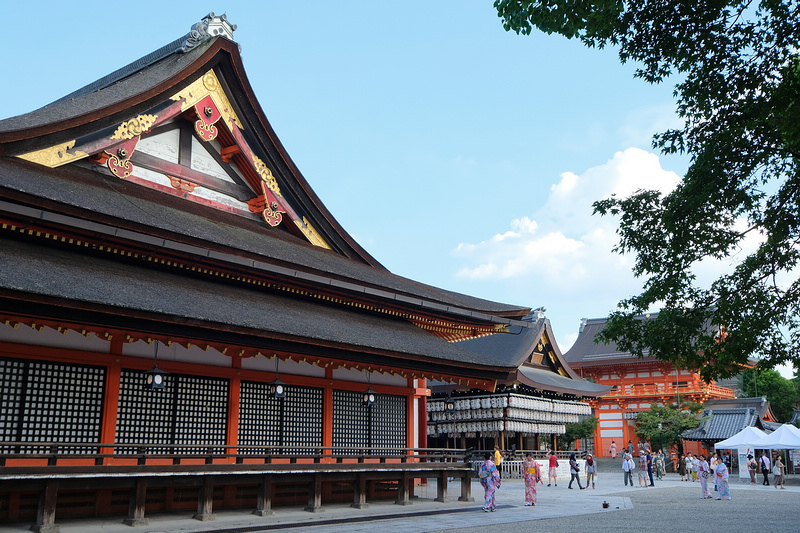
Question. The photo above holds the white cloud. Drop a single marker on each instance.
(560, 255)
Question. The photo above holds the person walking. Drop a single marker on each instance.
(532, 474)
(764, 463)
(642, 469)
(650, 466)
(498, 458)
(551, 473)
(721, 474)
(627, 468)
(661, 468)
(751, 468)
(490, 479)
(682, 467)
(612, 450)
(704, 474)
(779, 473)
(591, 470)
(630, 447)
(695, 468)
(574, 470)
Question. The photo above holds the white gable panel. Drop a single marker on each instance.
(164, 145)
(203, 162)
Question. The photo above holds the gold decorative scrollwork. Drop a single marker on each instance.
(311, 234)
(55, 155)
(266, 175)
(133, 127)
(210, 81)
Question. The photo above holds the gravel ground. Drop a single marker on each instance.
(677, 509)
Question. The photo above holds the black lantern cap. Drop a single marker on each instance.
(277, 389)
(370, 397)
(155, 378)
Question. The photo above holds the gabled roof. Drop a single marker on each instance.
(759, 404)
(540, 364)
(205, 83)
(722, 424)
(585, 352)
(159, 199)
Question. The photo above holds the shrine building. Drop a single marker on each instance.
(184, 325)
(636, 384)
(527, 411)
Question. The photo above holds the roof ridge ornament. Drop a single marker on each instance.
(209, 27)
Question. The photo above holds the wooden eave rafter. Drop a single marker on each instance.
(457, 327)
(438, 372)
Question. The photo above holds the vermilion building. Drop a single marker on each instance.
(637, 384)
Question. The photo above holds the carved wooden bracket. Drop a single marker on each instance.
(208, 114)
(119, 157)
(268, 206)
(181, 185)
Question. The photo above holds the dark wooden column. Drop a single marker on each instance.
(315, 495)
(137, 502)
(466, 489)
(264, 502)
(360, 492)
(205, 500)
(402, 490)
(46, 514)
(441, 487)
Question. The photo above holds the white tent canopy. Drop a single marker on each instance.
(786, 437)
(749, 437)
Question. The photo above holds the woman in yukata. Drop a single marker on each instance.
(703, 472)
(490, 479)
(722, 476)
(532, 474)
(660, 465)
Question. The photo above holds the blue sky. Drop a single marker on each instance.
(456, 153)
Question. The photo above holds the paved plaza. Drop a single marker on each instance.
(671, 506)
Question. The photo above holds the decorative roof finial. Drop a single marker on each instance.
(211, 26)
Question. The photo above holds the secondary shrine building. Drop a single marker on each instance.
(636, 384)
(183, 323)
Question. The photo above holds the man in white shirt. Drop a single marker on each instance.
(764, 463)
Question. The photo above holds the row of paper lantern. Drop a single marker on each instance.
(471, 428)
(463, 404)
(574, 408)
(521, 402)
(531, 428)
(526, 414)
(479, 414)
(464, 427)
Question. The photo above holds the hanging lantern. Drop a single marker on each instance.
(154, 379)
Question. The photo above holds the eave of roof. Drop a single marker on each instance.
(722, 424)
(89, 196)
(545, 380)
(83, 282)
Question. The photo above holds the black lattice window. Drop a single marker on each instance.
(389, 423)
(189, 410)
(350, 421)
(292, 422)
(51, 402)
(303, 418)
(12, 374)
(381, 427)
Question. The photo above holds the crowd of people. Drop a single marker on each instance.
(710, 472)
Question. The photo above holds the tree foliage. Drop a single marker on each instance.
(673, 421)
(737, 88)
(780, 392)
(580, 430)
